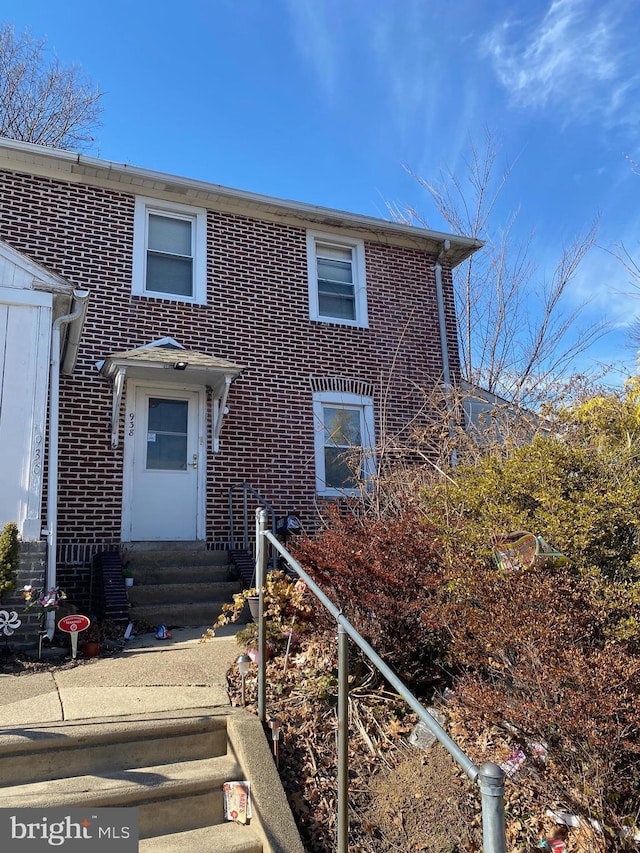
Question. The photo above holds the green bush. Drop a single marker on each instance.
(9, 551)
(549, 654)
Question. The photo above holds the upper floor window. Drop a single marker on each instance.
(337, 287)
(169, 257)
(344, 443)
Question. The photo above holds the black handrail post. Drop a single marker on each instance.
(245, 517)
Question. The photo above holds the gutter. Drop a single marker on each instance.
(74, 332)
(75, 320)
(74, 166)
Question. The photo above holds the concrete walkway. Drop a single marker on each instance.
(147, 676)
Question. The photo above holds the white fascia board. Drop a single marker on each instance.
(17, 296)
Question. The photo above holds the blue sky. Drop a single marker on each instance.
(324, 101)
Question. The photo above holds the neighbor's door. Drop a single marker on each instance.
(162, 501)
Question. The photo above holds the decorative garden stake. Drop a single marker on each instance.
(43, 601)
(275, 725)
(72, 625)
(9, 622)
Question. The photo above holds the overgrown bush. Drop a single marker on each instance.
(385, 576)
(549, 654)
(287, 607)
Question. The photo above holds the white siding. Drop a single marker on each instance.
(25, 332)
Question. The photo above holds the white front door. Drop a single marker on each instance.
(164, 451)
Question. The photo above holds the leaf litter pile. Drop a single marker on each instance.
(401, 797)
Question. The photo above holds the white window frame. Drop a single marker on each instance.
(198, 218)
(364, 405)
(356, 246)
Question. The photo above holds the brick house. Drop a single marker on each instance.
(218, 337)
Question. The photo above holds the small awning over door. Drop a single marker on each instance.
(171, 364)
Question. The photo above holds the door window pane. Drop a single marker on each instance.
(167, 434)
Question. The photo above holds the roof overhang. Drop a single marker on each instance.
(70, 166)
(66, 299)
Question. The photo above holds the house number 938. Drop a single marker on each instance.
(132, 423)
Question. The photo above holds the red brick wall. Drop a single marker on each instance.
(257, 316)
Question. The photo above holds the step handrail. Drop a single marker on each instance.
(490, 777)
(247, 489)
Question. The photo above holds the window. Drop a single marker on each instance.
(169, 258)
(337, 291)
(344, 442)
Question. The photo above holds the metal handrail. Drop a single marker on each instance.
(247, 489)
(490, 777)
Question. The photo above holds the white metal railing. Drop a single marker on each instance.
(489, 777)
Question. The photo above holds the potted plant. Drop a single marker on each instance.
(285, 605)
(90, 641)
(127, 574)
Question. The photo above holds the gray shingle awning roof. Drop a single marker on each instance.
(156, 362)
(170, 365)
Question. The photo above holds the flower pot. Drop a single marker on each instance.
(254, 606)
(128, 581)
(91, 649)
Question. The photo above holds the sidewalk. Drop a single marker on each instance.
(148, 676)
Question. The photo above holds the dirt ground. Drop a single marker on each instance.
(423, 803)
(27, 663)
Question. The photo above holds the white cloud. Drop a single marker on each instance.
(580, 56)
(603, 283)
(317, 28)
(370, 46)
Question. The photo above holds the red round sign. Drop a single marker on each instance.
(74, 623)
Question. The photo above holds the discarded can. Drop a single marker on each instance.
(162, 633)
(557, 845)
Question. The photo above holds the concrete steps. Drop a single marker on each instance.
(178, 584)
(171, 769)
(229, 838)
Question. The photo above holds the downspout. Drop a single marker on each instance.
(444, 347)
(80, 298)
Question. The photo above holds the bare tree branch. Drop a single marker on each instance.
(517, 336)
(44, 102)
